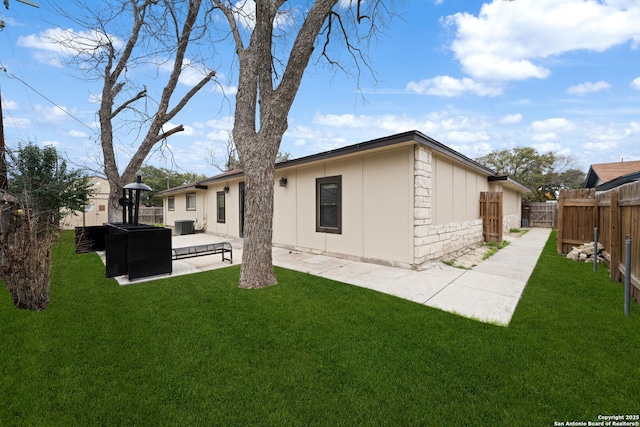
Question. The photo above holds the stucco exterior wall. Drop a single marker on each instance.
(180, 213)
(377, 205)
(403, 204)
(96, 213)
(511, 209)
(231, 225)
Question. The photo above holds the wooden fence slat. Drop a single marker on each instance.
(616, 213)
(614, 232)
(491, 214)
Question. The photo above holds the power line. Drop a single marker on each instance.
(13, 76)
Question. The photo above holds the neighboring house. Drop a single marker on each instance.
(605, 176)
(400, 200)
(96, 212)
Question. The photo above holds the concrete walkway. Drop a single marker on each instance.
(489, 292)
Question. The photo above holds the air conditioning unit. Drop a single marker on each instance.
(184, 227)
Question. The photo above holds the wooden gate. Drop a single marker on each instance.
(491, 214)
(541, 214)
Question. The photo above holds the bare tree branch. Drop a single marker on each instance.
(140, 95)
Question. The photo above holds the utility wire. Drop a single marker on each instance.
(13, 76)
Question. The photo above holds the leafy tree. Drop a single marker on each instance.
(161, 179)
(545, 174)
(51, 187)
(43, 189)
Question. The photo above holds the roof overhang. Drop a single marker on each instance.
(398, 140)
(182, 189)
(510, 183)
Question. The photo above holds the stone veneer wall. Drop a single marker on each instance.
(511, 221)
(432, 241)
(422, 204)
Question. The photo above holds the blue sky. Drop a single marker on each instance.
(560, 76)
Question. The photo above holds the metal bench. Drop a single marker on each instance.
(202, 250)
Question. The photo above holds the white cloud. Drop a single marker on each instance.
(54, 44)
(554, 124)
(552, 147)
(549, 136)
(245, 13)
(191, 74)
(51, 114)
(512, 40)
(8, 104)
(588, 87)
(601, 146)
(55, 144)
(636, 83)
(451, 87)
(77, 134)
(17, 123)
(465, 136)
(511, 118)
(634, 127)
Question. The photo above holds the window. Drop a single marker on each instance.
(191, 201)
(171, 203)
(220, 204)
(329, 205)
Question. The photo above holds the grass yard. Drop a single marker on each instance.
(196, 350)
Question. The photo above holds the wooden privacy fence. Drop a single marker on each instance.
(491, 214)
(616, 213)
(151, 215)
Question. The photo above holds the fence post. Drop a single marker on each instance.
(614, 237)
(595, 249)
(563, 194)
(627, 276)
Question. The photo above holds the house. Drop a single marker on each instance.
(605, 176)
(96, 212)
(400, 200)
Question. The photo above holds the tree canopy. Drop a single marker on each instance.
(162, 179)
(40, 175)
(544, 174)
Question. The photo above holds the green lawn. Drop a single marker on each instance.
(196, 350)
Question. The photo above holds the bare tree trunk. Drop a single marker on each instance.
(114, 210)
(30, 279)
(25, 258)
(257, 263)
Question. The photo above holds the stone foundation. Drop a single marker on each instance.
(436, 241)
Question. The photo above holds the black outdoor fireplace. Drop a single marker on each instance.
(132, 249)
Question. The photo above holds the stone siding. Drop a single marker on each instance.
(445, 240)
(511, 221)
(422, 204)
(434, 241)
